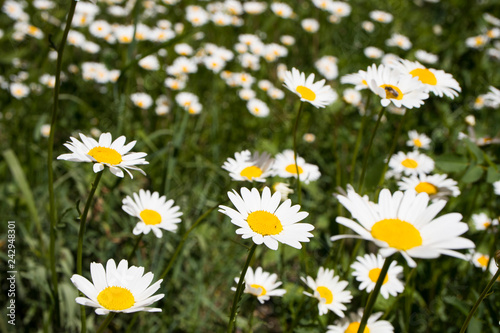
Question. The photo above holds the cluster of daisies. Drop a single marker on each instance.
(122, 288)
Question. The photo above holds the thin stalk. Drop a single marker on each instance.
(81, 232)
(181, 244)
(239, 290)
(373, 296)
(106, 322)
(135, 247)
(174, 153)
(50, 157)
(391, 151)
(295, 126)
(479, 300)
(358, 139)
(367, 153)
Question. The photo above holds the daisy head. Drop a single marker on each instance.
(284, 166)
(265, 220)
(329, 291)
(393, 86)
(367, 269)
(246, 166)
(105, 152)
(154, 212)
(318, 94)
(405, 223)
(436, 186)
(117, 288)
(418, 140)
(482, 221)
(352, 323)
(412, 163)
(261, 284)
(480, 260)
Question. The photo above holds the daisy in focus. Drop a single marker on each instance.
(405, 223)
(263, 219)
(261, 284)
(393, 86)
(284, 166)
(318, 94)
(329, 291)
(367, 269)
(437, 81)
(412, 163)
(105, 152)
(118, 288)
(436, 186)
(351, 324)
(246, 166)
(155, 212)
(418, 140)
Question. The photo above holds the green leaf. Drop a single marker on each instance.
(493, 175)
(451, 163)
(473, 174)
(475, 150)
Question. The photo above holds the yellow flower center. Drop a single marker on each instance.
(326, 294)
(426, 187)
(116, 298)
(424, 75)
(105, 155)
(417, 142)
(291, 168)
(392, 92)
(306, 93)
(353, 328)
(264, 223)
(140, 104)
(263, 290)
(125, 39)
(150, 217)
(483, 260)
(374, 273)
(397, 234)
(486, 224)
(251, 172)
(409, 163)
(364, 83)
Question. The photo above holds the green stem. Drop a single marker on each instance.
(135, 247)
(79, 251)
(373, 295)
(174, 153)
(239, 290)
(295, 126)
(367, 153)
(50, 156)
(181, 244)
(358, 139)
(106, 322)
(479, 300)
(391, 151)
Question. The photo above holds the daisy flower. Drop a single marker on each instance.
(436, 186)
(117, 289)
(155, 212)
(482, 221)
(426, 57)
(266, 221)
(367, 270)
(496, 187)
(284, 166)
(318, 94)
(412, 163)
(392, 86)
(282, 9)
(19, 90)
(351, 324)
(261, 284)
(310, 25)
(246, 166)
(480, 260)
(381, 16)
(115, 155)
(327, 66)
(357, 79)
(418, 140)
(141, 100)
(399, 40)
(329, 291)
(283, 189)
(403, 222)
(437, 81)
(258, 108)
(352, 96)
